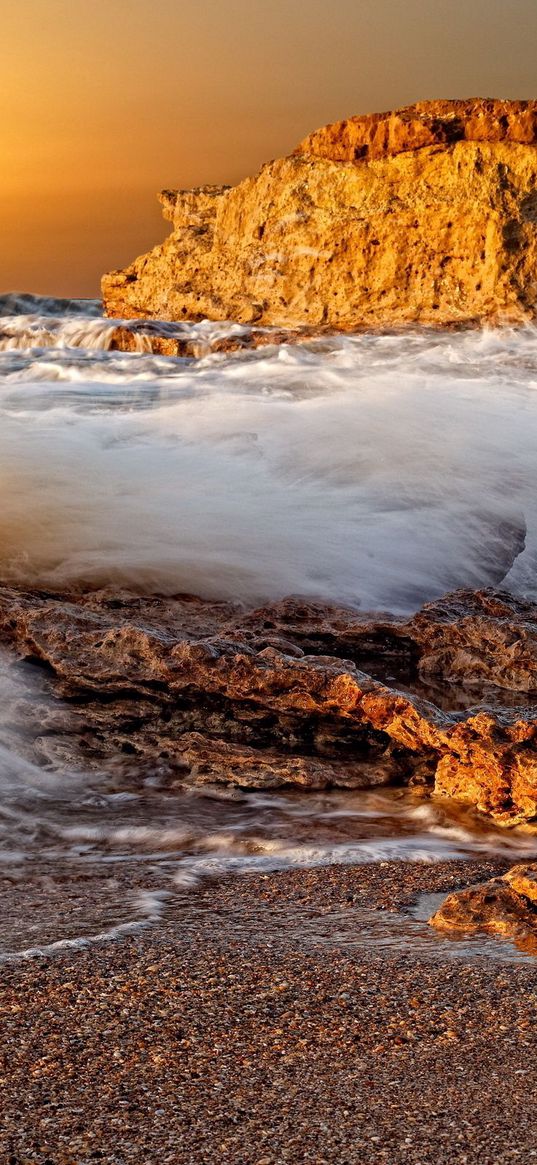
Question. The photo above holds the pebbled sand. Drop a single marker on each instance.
(258, 1024)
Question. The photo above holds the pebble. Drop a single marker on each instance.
(220, 1036)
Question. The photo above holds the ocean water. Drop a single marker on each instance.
(379, 471)
(376, 470)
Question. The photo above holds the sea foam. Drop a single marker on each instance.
(379, 471)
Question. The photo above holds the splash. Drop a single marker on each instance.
(379, 471)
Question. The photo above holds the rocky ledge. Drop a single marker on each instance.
(295, 693)
(426, 215)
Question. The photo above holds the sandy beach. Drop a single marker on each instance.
(271, 1019)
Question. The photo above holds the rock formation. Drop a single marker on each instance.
(294, 693)
(427, 215)
(505, 906)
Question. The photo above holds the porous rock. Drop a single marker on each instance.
(425, 215)
(505, 906)
(296, 693)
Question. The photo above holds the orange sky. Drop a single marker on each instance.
(105, 102)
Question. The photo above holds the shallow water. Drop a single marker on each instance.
(91, 856)
(380, 471)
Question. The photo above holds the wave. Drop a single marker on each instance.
(379, 471)
(28, 331)
(15, 303)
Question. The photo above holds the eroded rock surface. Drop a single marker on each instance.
(427, 123)
(505, 906)
(295, 693)
(426, 215)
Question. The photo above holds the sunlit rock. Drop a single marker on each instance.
(504, 906)
(426, 215)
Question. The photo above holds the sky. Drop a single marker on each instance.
(105, 103)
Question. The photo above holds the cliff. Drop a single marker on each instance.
(425, 215)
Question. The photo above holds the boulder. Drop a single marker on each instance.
(504, 906)
(427, 215)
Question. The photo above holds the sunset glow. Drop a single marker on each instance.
(106, 104)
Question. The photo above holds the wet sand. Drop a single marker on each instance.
(267, 1020)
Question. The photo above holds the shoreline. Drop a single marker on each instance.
(305, 1015)
(180, 1044)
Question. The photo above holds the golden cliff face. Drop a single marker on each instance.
(427, 215)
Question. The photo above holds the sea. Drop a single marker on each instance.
(374, 470)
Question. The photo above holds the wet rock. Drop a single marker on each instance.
(294, 693)
(523, 880)
(481, 637)
(427, 214)
(206, 761)
(505, 906)
(490, 907)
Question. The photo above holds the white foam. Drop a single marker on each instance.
(151, 904)
(80, 325)
(379, 471)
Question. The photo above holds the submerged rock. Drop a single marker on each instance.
(295, 693)
(426, 215)
(153, 336)
(505, 906)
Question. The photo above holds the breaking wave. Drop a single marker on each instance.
(376, 470)
(23, 303)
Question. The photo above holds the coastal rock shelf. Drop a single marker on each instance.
(426, 215)
(295, 693)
